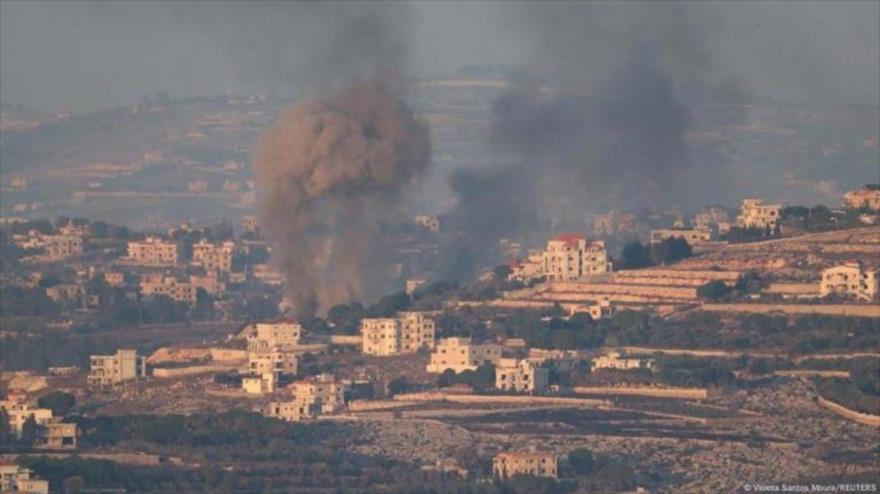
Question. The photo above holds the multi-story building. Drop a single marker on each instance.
(429, 221)
(521, 376)
(407, 333)
(154, 251)
(266, 274)
(52, 433)
(508, 464)
(63, 246)
(693, 236)
(563, 360)
(567, 257)
(170, 286)
(210, 283)
(124, 366)
(755, 214)
(460, 354)
(17, 479)
(850, 279)
(66, 291)
(324, 393)
(114, 278)
(613, 360)
(868, 197)
(58, 435)
(277, 335)
(272, 361)
(215, 258)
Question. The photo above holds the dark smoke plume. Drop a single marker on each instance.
(608, 130)
(327, 169)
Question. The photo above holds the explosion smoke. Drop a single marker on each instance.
(329, 168)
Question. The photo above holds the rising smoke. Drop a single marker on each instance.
(607, 129)
(328, 169)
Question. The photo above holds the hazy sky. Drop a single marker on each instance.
(83, 56)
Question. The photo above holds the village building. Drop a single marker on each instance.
(290, 411)
(214, 258)
(850, 279)
(272, 361)
(19, 412)
(58, 435)
(406, 333)
(562, 360)
(323, 392)
(460, 354)
(259, 384)
(123, 366)
(154, 251)
(522, 376)
(17, 479)
(693, 236)
(170, 286)
(66, 291)
(63, 246)
(266, 274)
(755, 214)
(613, 360)
(567, 257)
(209, 283)
(508, 464)
(114, 278)
(869, 197)
(250, 224)
(281, 335)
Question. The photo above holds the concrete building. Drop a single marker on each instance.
(755, 214)
(124, 366)
(613, 360)
(508, 464)
(250, 224)
(429, 221)
(406, 333)
(63, 246)
(413, 284)
(281, 335)
(58, 435)
(154, 251)
(266, 274)
(114, 278)
(567, 257)
(563, 360)
(290, 411)
(66, 291)
(460, 354)
(16, 479)
(259, 384)
(170, 286)
(850, 279)
(522, 376)
(215, 258)
(693, 236)
(272, 361)
(323, 392)
(868, 197)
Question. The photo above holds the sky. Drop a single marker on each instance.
(84, 56)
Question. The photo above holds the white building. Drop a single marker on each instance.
(850, 279)
(259, 384)
(290, 411)
(154, 252)
(406, 333)
(755, 214)
(567, 257)
(613, 360)
(215, 258)
(521, 376)
(460, 354)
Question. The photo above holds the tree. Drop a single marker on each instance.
(5, 429)
(713, 290)
(635, 255)
(398, 386)
(30, 431)
(502, 272)
(58, 401)
(581, 461)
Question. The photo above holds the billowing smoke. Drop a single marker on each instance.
(608, 126)
(328, 169)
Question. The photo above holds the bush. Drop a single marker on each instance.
(581, 461)
(58, 401)
(713, 290)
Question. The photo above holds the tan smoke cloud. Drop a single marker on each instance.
(328, 168)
